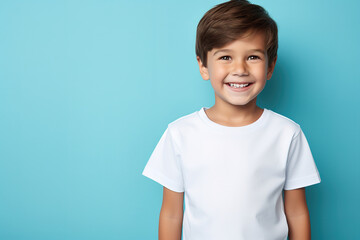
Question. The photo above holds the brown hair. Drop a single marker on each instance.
(230, 20)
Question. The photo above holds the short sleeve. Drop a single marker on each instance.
(301, 170)
(163, 165)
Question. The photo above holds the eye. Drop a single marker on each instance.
(253, 57)
(225, 58)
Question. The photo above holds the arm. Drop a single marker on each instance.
(171, 215)
(297, 214)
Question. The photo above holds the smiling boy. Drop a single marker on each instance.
(243, 61)
(233, 161)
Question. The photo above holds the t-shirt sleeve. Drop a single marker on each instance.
(301, 170)
(163, 165)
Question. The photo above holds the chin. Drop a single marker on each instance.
(240, 103)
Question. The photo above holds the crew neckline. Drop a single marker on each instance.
(217, 126)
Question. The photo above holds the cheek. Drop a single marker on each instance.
(217, 72)
(260, 72)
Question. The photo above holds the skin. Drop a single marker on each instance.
(297, 214)
(171, 215)
(244, 59)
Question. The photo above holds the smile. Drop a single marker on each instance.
(239, 87)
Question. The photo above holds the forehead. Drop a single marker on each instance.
(254, 41)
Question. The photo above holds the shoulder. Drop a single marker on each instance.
(280, 122)
(188, 120)
(185, 125)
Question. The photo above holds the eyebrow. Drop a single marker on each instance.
(229, 50)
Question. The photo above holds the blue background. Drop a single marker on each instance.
(88, 87)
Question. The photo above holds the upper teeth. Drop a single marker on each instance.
(239, 85)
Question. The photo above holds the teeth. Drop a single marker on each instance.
(239, 85)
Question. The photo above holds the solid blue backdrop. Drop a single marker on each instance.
(88, 87)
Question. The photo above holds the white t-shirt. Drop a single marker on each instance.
(233, 177)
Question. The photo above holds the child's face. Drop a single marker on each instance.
(242, 61)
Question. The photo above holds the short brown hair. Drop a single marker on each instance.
(230, 20)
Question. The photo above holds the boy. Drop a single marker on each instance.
(234, 160)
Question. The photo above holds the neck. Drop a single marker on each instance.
(234, 115)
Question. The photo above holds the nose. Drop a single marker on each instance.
(240, 68)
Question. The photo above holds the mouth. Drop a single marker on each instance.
(239, 87)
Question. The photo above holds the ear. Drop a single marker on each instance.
(203, 70)
(271, 69)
